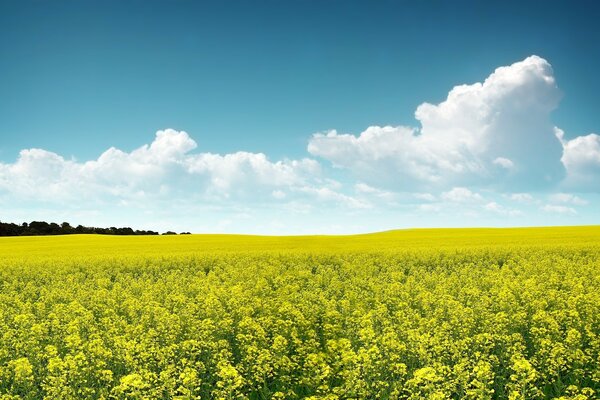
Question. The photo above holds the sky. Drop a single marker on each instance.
(299, 117)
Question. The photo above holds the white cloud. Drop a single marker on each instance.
(502, 210)
(558, 209)
(493, 206)
(328, 195)
(521, 197)
(164, 168)
(424, 196)
(278, 194)
(435, 208)
(243, 171)
(370, 192)
(581, 158)
(481, 134)
(567, 198)
(39, 174)
(167, 145)
(167, 170)
(43, 175)
(504, 162)
(461, 195)
(364, 188)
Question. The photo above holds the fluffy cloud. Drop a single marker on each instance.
(562, 203)
(424, 196)
(504, 162)
(502, 210)
(558, 209)
(329, 195)
(43, 175)
(520, 197)
(240, 172)
(568, 198)
(496, 132)
(581, 157)
(463, 201)
(166, 168)
(376, 194)
(461, 195)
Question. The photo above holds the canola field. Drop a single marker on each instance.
(414, 314)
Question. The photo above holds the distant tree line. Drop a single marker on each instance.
(40, 228)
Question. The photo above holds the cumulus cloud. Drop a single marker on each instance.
(434, 208)
(461, 195)
(43, 175)
(502, 210)
(424, 196)
(504, 162)
(581, 157)
(496, 132)
(361, 187)
(370, 193)
(329, 195)
(521, 197)
(465, 202)
(242, 171)
(40, 174)
(278, 194)
(558, 209)
(167, 168)
(568, 198)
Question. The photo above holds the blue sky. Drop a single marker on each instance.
(271, 116)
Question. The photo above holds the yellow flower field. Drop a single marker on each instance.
(415, 314)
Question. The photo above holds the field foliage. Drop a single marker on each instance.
(417, 314)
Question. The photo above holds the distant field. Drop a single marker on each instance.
(399, 240)
(409, 314)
